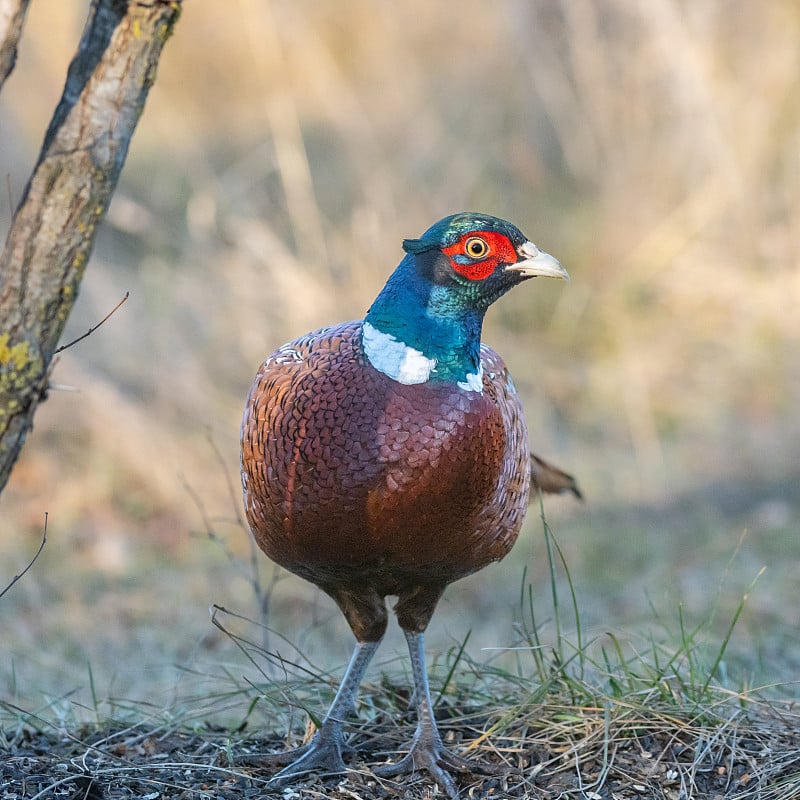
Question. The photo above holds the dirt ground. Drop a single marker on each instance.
(747, 756)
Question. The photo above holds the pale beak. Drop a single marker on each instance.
(535, 263)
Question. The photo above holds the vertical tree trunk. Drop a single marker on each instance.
(54, 227)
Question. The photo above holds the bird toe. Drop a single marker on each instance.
(440, 763)
(416, 762)
(323, 755)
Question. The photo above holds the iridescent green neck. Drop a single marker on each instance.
(428, 320)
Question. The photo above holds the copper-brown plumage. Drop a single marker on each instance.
(389, 457)
(367, 487)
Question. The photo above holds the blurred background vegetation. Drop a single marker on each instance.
(286, 149)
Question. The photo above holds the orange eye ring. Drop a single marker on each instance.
(475, 247)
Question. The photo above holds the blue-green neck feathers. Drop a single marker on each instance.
(432, 320)
(426, 323)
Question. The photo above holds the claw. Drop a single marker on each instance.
(427, 750)
(323, 755)
(288, 756)
(435, 760)
(431, 755)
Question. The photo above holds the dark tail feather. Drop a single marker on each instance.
(551, 480)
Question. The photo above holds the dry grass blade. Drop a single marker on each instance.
(742, 748)
(625, 726)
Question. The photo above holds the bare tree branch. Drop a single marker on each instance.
(93, 328)
(54, 227)
(32, 561)
(12, 18)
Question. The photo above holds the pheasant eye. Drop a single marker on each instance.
(475, 247)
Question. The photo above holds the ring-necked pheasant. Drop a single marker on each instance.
(390, 456)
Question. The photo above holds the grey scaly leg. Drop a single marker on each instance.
(324, 752)
(427, 750)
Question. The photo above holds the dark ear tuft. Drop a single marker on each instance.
(415, 246)
(433, 265)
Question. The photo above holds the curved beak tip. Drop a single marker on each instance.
(535, 263)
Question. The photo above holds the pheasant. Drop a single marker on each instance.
(389, 457)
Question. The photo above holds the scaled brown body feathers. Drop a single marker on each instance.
(367, 487)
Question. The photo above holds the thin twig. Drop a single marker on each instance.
(94, 328)
(32, 561)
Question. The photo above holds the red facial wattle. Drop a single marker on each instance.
(499, 250)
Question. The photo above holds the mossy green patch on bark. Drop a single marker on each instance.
(20, 365)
